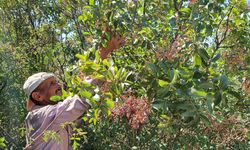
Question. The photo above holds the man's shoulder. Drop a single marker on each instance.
(38, 108)
(51, 109)
(40, 111)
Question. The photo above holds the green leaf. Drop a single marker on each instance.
(164, 116)
(2, 139)
(125, 75)
(110, 75)
(206, 85)
(235, 94)
(159, 104)
(205, 119)
(218, 98)
(224, 82)
(86, 84)
(135, 41)
(97, 56)
(106, 63)
(188, 114)
(185, 106)
(87, 7)
(84, 118)
(56, 98)
(85, 16)
(185, 10)
(197, 60)
(209, 103)
(76, 80)
(209, 30)
(203, 54)
(198, 93)
(197, 74)
(118, 74)
(174, 75)
(65, 94)
(153, 68)
(108, 36)
(82, 57)
(140, 10)
(162, 83)
(95, 117)
(75, 144)
(172, 22)
(80, 18)
(161, 125)
(199, 27)
(86, 94)
(104, 43)
(2, 144)
(164, 92)
(110, 103)
(216, 57)
(92, 2)
(86, 33)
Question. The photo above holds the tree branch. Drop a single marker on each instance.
(218, 42)
(78, 28)
(9, 137)
(30, 18)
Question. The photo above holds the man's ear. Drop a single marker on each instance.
(36, 96)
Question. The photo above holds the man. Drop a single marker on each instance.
(46, 116)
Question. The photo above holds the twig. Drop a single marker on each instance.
(10, 139)
(217, 41)
(3, 85)
(176, 7)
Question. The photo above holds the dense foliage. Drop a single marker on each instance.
(181, 81)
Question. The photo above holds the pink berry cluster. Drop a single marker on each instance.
(136, 110)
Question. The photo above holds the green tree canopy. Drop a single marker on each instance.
(185, 63)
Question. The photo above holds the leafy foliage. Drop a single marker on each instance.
(2, 144)
(189, 59)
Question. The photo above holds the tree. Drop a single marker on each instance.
(188, 61)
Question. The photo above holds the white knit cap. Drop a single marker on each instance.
(35, 80)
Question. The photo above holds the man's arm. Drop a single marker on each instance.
(70, 109)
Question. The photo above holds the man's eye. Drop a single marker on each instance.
(54, 82)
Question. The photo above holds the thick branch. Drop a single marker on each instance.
(217, 41)
(78, 29)
(177, 7)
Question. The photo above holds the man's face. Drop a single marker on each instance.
(49, 88)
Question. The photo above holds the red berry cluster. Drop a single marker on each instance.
(134, 109)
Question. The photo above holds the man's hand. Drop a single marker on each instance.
(115, 42)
